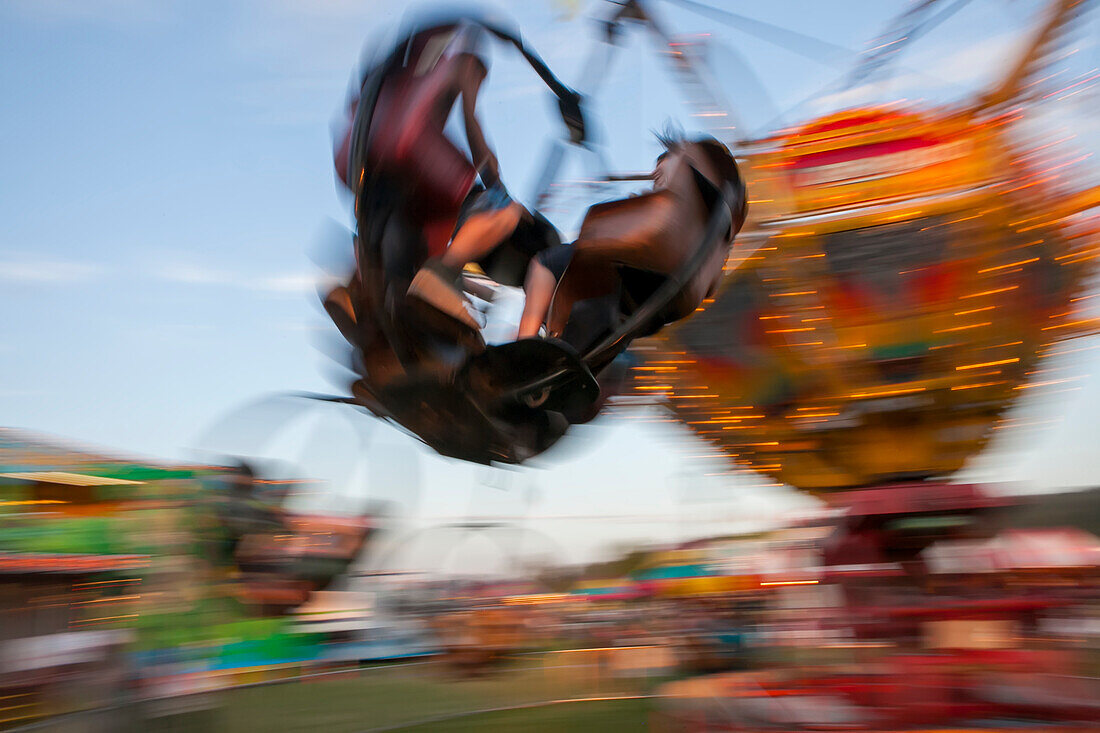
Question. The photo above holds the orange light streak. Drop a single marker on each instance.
(964, 328)
(887, 393)
(1011, 264)
(989, 292)
(964, 367)
(1086, 322)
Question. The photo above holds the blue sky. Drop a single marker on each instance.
(167, 173)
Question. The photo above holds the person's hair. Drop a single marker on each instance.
(725, 165)
(719, 158)
(670, 137)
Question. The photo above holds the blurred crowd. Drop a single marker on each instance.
(122, 581)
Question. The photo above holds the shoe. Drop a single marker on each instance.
(433, 286)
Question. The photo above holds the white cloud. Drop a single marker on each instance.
(47, 271)
(292, 283)
(194, 275)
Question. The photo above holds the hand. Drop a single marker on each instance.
(571, 115)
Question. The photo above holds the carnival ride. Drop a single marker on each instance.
(901, 281)
(837, 354)
(905, 277)
(507, 402)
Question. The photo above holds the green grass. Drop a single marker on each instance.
(406, 695)
(606, 715)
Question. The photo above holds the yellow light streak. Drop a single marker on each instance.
(976, 386)
(964, 328)
(989, 292)
(32, 502)
(1088, 321)
(887, 393)
(964, 367)
(1011, 264)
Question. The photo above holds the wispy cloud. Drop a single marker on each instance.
(293, 283)
(30, 270)
(194, 275)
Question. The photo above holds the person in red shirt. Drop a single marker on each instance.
(432, 70)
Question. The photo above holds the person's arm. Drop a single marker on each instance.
(485, 161)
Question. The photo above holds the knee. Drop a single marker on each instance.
(508, 218)
(494, 224)
(538, 277)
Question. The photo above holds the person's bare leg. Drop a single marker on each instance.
(481, 234)
(538, 289)
(437, 282)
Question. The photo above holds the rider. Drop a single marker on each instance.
(671, 173)
(431, 69)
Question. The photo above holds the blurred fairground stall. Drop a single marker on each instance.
(120, 576)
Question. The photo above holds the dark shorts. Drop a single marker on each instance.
(556, 259)
(482, 200)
